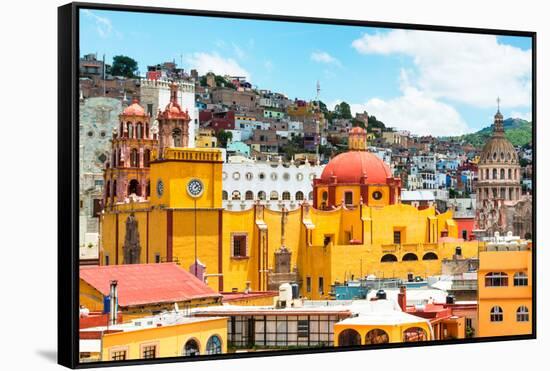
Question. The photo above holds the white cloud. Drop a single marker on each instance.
(239, 51)
(416, 113)
(522, 115)
(413, 111)
(104, 26)
(466, 68)
(268, 65)
(324, 57)
(206, 62)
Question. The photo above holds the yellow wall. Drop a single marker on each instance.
(182, 165)
(372, 226)
(395, 332)
(509, 298)
(170, 340)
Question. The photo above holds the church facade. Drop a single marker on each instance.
(182, 220)
(501, 206)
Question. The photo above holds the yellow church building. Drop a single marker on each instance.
(355, 227)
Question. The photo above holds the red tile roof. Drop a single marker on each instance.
(140, 284)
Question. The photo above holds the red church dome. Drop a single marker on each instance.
(134, 109)
(350, 166)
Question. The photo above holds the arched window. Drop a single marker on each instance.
(486, 173)
(235, 195)
(261, 195)
(349, 337)
(509, 173)
(134, 158)
(377, 336)
(522, 314)
(147, 130)
(191, 348)
(324, 196)
(388, 258)
(130, 128)
(139, 130)
(176, 136)
(214, 345)
(286, 195)
(310, 196)
(413, 334)
(133, 187)
(409, 257)
(495, 173)
(502, 174)
(497, 314)
(496, 279)
(299, 196)
(146, 157)
(429, 256)
(520, 279)
(224, 195)
(273, 195)
(249, 195)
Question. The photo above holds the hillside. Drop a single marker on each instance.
(518, 131)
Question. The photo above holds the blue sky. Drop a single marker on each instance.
(425, 82)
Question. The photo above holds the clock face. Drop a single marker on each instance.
(195, 188)
(160, 188)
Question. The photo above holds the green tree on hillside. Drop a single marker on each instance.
(124, 66)
(224, 137)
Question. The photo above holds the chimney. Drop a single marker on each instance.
(113, 300)
(402, 298)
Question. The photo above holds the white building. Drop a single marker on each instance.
(425, 162)
(273, 183)
(98, 118)
(296, 128)
(155, 95)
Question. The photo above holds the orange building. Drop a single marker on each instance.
(505, 287)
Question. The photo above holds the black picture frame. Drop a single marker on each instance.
(68, 177)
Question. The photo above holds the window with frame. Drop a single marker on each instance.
(149, 351)
(106, 259)
(238, 246)
(496, 279)
(214, 345)
(308, 284)
(497, 314)
(119, 355)
(321, 285)
(303, 328)
(157, 258)
(520, 279)
(348, 198)
(397, 237)
(522, 314)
